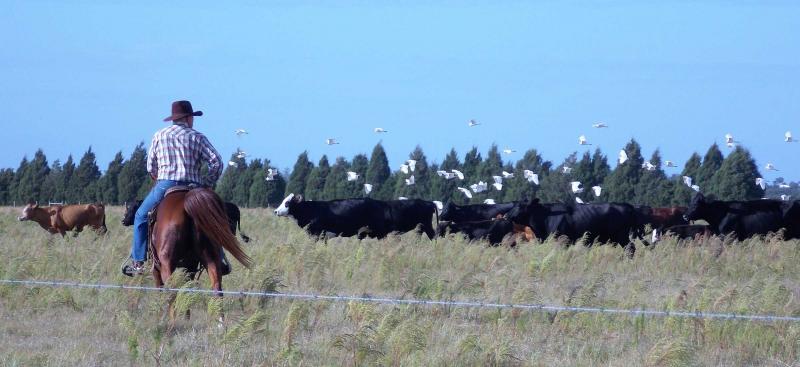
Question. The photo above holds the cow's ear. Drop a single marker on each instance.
(298, 198)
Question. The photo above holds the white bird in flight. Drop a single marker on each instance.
(687, 181)
(233, 164)
(446, 175)
(458, 174)
(479, 187)
(785, 197)
(531, 177)
(351, 176)
(412, 164)
(623, 157)
(498, 186)
(439, 204)
(582, 140)
(367, 188)
(566, 170)
(648, 166)
(599, 125)
(760, 182)
(784, 186)
(509, 151)
(240, 132)
(271, 173)
(729, 140)
(489, 201)
(241, 154)
(771, 167)
(578, 200)
(331, 141)
(402, 198)
(473, 123)
(404, 168)
(465, 192)
(497, 179)
(576, 187)
(410, 181)
(597, 190)
(507, 175)
(695, 188)
(788, 137)
(381, 130)
(670, 164)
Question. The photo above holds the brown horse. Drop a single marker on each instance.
(191, 227)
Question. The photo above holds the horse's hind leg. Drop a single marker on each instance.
(213, 264)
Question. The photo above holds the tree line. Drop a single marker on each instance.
(245, 182)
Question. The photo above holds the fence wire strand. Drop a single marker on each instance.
(394, 301)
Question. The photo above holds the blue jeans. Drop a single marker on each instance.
(157, 193)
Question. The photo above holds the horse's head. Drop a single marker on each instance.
(286, 205)
(27, 212)
(130, 212)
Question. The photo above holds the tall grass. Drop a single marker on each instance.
(44, 326)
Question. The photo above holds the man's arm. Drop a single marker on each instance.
(152, 160)
(210, 155)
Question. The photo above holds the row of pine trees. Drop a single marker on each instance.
(244, 183)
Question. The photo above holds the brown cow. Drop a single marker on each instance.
(60, 219)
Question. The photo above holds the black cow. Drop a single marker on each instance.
(611, 222)
(234, 217)
(791, 218)
(742, 218)
(687, 231)
(473, 213)
(494, 230)
(406, 215)
(345, 217)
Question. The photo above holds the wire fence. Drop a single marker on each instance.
(395, 301)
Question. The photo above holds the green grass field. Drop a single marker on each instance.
(59, 327)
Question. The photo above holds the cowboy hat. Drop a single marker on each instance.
(181, 109)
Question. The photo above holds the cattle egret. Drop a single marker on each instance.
(331, 141)
(648, 166)
(465, 192)
(410, 181)
(729, 140)
(788, 137)
(597, 190)
(233, 164)
(367, 189)
(578, 200)
(599, 125)
(509, 151)
(458, 173)
(241, 154)
(670, 164)
(623, 157)
(404, 168)
(497, 186)
(446, 175)
(582, 140)
(439, 204)
(351, 176)
(402, 198)
(784, 186)
(566, 169)
(240, 132)
(760, 182)
(770, 167)
(531, 177)
(785, 197)
(576, 187)
(412, 164)
(489, 201)
(271, 173)
(687, 180)
(473, 123)
(381, 130)
(696, 188)
(479, 187)
(497, 179)
(507, 175)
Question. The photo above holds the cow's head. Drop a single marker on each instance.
(448, 212)
(537, 217)
(285, 208)
(696, 208)
(518, 213)
(27, 212)
(130, 212)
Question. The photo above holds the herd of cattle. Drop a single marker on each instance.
(506, 223)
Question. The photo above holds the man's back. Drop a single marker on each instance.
(177, 153)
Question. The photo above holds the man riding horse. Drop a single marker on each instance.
(174, 159)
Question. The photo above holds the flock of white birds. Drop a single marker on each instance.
(409, 167)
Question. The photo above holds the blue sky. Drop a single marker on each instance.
(675, 75)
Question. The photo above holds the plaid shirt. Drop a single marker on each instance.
(177, 152)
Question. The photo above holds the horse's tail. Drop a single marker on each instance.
(208, 213)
